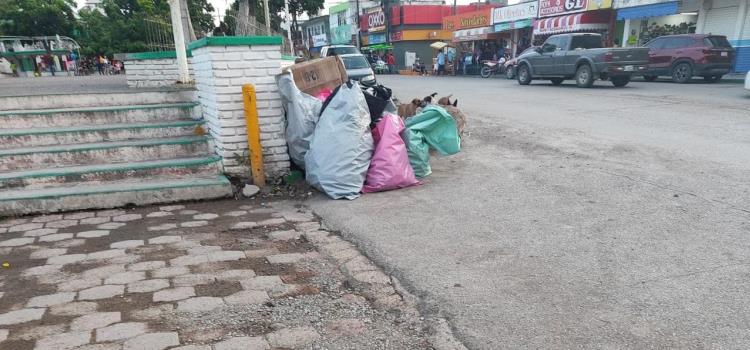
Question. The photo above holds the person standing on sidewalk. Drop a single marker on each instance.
(441, 63)
(391, 61)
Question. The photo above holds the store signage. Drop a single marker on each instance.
(397, 36)
(319, 40)
(474, 19)
(560, 7)
(524, 23)
(618, 4)
(471, 34)
(375, 21)
(376, 39)
(515, 12)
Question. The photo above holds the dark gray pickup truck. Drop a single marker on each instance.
(582, 57)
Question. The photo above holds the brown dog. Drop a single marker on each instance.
(407, 110)
(456, 113)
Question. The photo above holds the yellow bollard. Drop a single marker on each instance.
(253, 135)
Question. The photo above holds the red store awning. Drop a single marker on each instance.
(593, 20)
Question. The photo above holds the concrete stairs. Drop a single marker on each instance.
(72, 152)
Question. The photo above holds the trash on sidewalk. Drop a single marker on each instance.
(352, 139)
(342, 144)
(433, 127)
(302, 112)
(389, 168)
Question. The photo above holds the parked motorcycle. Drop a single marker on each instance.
(490, 68)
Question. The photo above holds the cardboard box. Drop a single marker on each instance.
(313, 76)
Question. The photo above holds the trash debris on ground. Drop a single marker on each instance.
(342, 144)
(250, 190)
(351, 139)
(389, 168)
(435, 128)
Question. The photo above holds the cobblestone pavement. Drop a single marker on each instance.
(205, 276)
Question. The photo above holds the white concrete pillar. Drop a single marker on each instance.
(740, 24)
(222, 65)
(179, 41)
(701, 24)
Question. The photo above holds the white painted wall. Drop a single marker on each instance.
(220, 72)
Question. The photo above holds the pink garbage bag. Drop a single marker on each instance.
(323, 94)
(389, 167)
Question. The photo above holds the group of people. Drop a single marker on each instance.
(387, 58)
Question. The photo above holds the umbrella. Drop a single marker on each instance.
(438, 45)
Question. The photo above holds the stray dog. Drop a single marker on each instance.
(456, 113)
(406, 110)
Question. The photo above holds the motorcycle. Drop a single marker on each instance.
(490, 68)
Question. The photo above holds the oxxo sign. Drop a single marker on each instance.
(557, 7)
(375, 21)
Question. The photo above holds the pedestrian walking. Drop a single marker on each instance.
(441, 63)
(50, 64)
(100, 64)
(391, 61)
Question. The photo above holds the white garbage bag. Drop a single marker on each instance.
(302, 111)
(342, 145)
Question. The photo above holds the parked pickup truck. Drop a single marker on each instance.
(582, 57)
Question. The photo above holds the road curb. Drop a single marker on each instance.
(383, 289)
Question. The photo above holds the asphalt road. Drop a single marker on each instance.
(598, 218)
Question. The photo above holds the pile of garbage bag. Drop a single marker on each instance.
(351, 140)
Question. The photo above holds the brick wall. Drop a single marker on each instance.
(220, 72)
(153, 72)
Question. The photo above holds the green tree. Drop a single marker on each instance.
(37, 17)
(125, 24)
(276, 7)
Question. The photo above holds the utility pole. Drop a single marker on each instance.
(289, 27)
(356, 20)
(387, 14)
(179, 41)
(268, 17)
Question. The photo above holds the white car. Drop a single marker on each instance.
(747, 81)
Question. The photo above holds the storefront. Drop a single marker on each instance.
(518, 21)
(408, 44)
(644, 20)
(730, 18)
(556, 17)
(473, 35)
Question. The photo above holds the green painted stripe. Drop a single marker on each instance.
(32, 53)
(235, 41)
(115, 167)
(154, 55)
(95, 128)
(98, 109)
(103, 145)
(54, 193)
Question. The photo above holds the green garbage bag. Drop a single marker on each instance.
(435, 128)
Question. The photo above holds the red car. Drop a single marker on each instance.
(687, 55)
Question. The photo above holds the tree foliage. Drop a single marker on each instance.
(37, 17)
(296, 8)
(121, 25)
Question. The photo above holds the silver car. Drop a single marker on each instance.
(358, 68)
